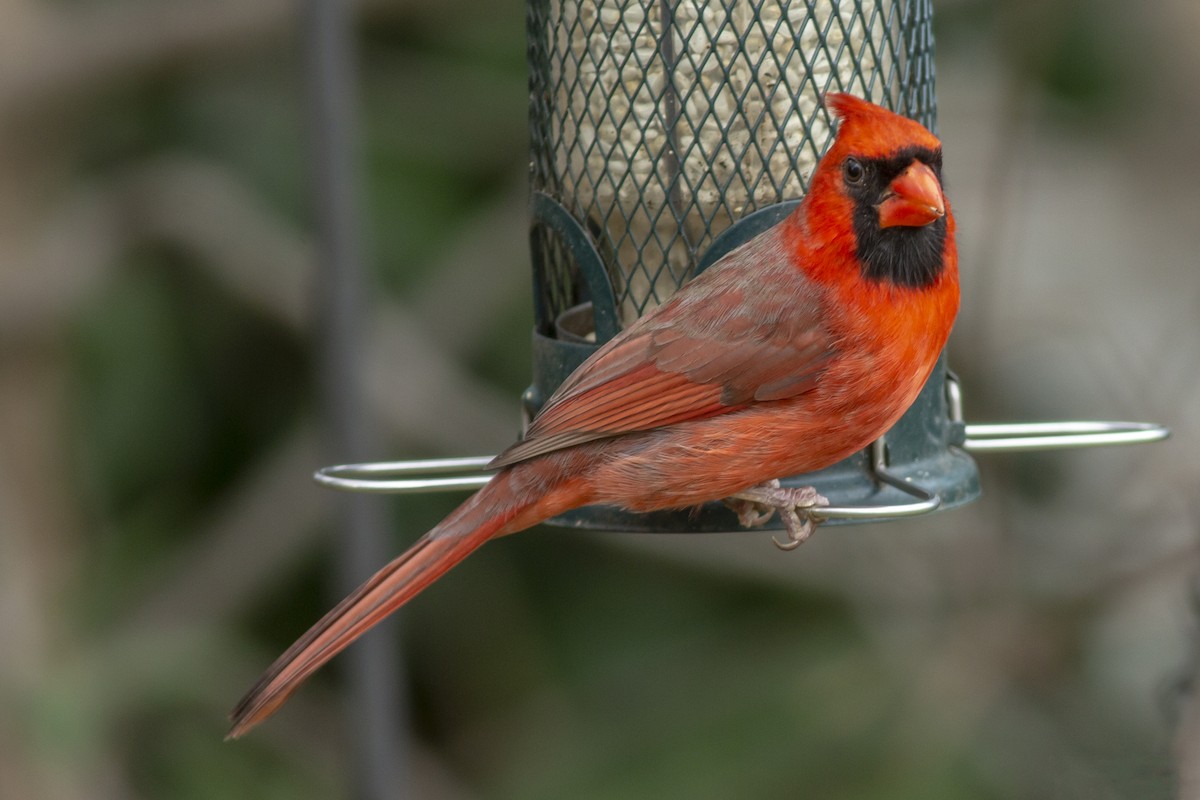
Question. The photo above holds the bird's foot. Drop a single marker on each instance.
(754, 506)
(752, 513)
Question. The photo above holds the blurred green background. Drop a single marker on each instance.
(160, 540)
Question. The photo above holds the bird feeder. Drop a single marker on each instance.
(665, 133)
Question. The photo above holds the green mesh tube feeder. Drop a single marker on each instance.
(665, 134)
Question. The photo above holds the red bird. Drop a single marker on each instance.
(791, 353)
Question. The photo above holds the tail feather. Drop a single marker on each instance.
(465, 530)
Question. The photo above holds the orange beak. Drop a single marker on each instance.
(914, 198)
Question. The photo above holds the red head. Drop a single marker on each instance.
(879, 191)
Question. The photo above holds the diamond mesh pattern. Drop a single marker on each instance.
(659, 123)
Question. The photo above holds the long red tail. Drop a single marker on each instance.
(491, 511)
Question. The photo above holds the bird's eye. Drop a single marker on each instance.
(854, 171)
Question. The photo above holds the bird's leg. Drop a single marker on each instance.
(793, 504)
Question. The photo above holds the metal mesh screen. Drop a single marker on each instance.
(657, 124)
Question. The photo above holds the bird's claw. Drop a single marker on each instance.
(754, 506)
(799, 528)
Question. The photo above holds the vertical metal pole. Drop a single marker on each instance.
(373, 708)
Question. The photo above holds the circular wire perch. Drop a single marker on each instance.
(665, 133)
(469, 473)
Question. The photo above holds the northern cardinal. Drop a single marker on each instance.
(794, 351)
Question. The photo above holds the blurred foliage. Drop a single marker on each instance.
(1079, 53)
(986, 654)
(178, 386)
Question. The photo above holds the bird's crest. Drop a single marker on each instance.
(871, 131)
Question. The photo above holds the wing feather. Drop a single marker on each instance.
(749, 330)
